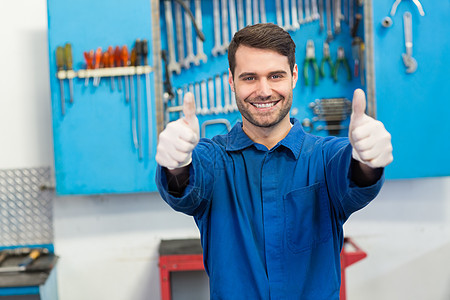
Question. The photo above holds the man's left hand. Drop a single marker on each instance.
(370, 140)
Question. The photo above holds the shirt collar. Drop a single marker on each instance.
(238, 140)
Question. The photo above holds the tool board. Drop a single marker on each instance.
(93, 141)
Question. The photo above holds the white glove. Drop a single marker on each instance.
(370, 140)
(180, 137)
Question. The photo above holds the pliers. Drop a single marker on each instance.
(326, 59)
(341, 59)
(310, 58)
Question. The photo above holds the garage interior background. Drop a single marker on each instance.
(108, 244)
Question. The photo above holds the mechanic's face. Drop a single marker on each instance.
(263, 85)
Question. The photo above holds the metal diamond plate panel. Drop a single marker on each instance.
(26, 209)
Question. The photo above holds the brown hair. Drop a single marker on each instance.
(262, 36)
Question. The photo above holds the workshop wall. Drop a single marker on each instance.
(108, 244)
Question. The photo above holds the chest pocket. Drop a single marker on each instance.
(307, 218)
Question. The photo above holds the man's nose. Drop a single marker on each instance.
(264, 89)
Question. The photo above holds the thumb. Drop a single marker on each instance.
(358, 104)
(189, 111)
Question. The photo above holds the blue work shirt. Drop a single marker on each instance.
(271, 220)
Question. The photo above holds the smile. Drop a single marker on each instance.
(264, 105)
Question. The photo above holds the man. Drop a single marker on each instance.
(269, 199)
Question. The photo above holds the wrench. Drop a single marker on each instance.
(219, 107)
(308, 17)
(190, 57)
(279, 14)
(205, 109)
(295, 23)
(173, 65)
(351, 17)
(337, 16)
(416, 2)
(216, 13)
(179, 32)
(233, 24)
(300, 11)
(262, 9)
(287, 20)
(248, 12)
(240, 13)
(408, 59)
(226, 94)
(198, 108)
(321, 15)
(225, 33)
(201, 56)
(255, 12)
(212, 107)
(329, 23)
(315, 12)
(180, 100)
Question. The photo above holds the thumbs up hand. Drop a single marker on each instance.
(370, 140)
(180, 137)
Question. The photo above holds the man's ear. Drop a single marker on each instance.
(294, 76)
(230, 80)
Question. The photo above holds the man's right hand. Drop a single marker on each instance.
(180, 137)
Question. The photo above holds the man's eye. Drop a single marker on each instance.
(276, 76)
(249, 78)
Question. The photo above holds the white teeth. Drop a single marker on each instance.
(264, 105)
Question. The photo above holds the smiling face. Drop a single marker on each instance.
(263, 85)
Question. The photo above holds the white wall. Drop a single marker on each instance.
(109, 244)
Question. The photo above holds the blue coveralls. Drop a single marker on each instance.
(271, 220)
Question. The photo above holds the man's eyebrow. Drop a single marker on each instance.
(245, 74)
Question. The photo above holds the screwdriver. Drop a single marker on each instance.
(98, 59)
(69, 66)
(89, 57)
(138, 47)
(111, 64)
(118, 63)
(60, 67)
(133, 112)
(126, 63)
(144, 44)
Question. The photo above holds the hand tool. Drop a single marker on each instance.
(34, 254)
(255, 12)
(60, 67)
(198, 106)
(219, 106)
(354, 29)
(326, 59)
(111, 64)
(341, 59)
(356, 46)
(233, 100)
(321, 21)
(315, 12)
(337, 16)
(301, 20)
(362, 61)
(180, 101)
(248, 12)
(126, 63)
(89, 57)
(190, 57)
(345, 10)
(174, 66)
(295, 23)
(233, 23)
(144, 46)
(201, 56)
(329, 23)
(350, 14)
(226, 94)
(132, 101)
(98, 64)
(262, 6)
(167, 84)
(225, 33)
(138, 47)
(416, 2)
(217, 42)
(118, 63)
(240, 13)
(205, 109)
(308, 17)
(287, 19)
(279, 13)
(331, 128)
(310, 58)
(408, 60)
(179, 34)
(213, 122)
(212, 107)
(69, 67)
